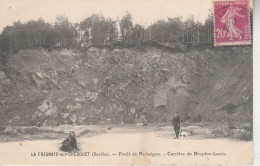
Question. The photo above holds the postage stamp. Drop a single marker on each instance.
(231, 22)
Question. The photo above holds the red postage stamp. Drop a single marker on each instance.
(231, 22)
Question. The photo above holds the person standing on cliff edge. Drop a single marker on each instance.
(176, 122)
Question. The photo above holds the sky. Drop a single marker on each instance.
(144, 12)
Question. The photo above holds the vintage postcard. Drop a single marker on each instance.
(120, 82)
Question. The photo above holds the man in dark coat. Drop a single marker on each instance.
(70, 143)
(176, 122)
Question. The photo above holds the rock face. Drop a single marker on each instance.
(123, 85)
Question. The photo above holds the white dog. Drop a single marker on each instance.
(184, 134)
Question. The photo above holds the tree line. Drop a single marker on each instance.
(98, 30)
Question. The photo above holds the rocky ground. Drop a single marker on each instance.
(195, 131)
(114, 146)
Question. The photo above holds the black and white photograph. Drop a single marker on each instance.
(132, 82)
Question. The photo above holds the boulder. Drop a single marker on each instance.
(73, 118)
(51, 111)
(67, 52)
(238, 133)
(22, 130)
(66, 115)
(88, 94)
(70, 107)
(17, 117)
(94, 96)
(116, 51)
(93, 50)
(182, 92)
(38, 113)
(78, 106)
(95, 81)
(139, 124)
(3, 79)
(132, 110)
(10, 130)
(2, 75)
(45, 106)
(6, 81)
(45, 123)
(217, 133)
(80, 99)
(37, 79)
(40, 74)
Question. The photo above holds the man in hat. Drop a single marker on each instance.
(176, 122)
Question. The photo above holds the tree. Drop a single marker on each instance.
(138, 33)
(175, 29)
(190, 29)
(25, 35)
(158, 31)
(65, 33)
(166, 31)
(207, 35)
(99, 30)
(6, 40)
(126, 27)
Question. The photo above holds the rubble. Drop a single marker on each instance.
(11, 130)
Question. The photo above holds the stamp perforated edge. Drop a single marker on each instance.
(236, 43)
